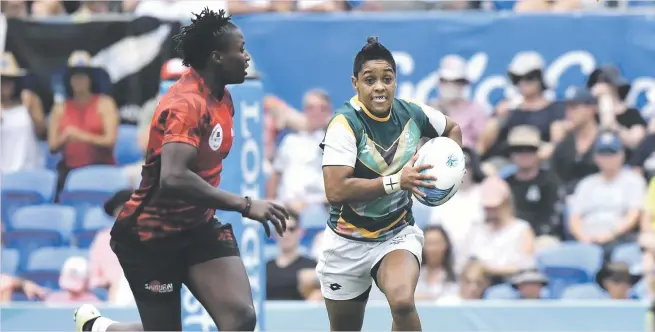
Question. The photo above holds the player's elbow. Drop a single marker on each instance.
(170, 183)
(335, 197)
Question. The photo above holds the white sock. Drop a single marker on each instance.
(101, 324)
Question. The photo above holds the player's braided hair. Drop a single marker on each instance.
(373, 50)
(197, 41)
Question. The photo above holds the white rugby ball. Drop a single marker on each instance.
(449, 167)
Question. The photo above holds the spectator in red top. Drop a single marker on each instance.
(85, 125)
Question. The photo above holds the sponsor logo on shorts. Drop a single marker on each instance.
(159, 288)
(225, 235)
(398, 240)
(335, 286)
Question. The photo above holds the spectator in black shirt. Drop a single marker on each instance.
(573, 158)
(284, 273)
(536, 190)
(611, 89)
(643, 158)
(530, 107)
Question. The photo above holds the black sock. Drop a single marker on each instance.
(89, 325)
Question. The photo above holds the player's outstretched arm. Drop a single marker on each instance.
(178, 181)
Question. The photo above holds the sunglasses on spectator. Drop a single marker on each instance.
(459, 81)
(534, 75)
(523, 149)
(292, 228)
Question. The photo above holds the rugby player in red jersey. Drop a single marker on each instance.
(166, 234)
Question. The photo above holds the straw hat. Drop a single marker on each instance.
(9, 67)
(80, 62)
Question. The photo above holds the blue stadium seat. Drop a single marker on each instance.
(501, 292)
(84, 239)
(10, 260)
(92, 186)
(588, 291)
(640, 290)
(628, 253)
(95, 219)
(46, 217)
(52, 159)
(26, 188)
(52, 259)
(313, 216)
(45, 278)
(569, 264)
(101, 293)
(21, 297)
(127, 150)
(308, 238)
(27, 241)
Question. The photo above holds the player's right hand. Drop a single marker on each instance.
(265, 211)
(411, 177)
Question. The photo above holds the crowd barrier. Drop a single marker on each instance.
(296, 52)
(511, 316)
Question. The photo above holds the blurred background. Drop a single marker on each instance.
(552, 230)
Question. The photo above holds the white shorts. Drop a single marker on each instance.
(344, 265)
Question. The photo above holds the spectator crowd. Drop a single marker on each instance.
(557, 202)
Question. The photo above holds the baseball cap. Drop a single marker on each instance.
(494, 191)
(581, 96)
(608, 143)
(452, 68)
(173, 69)
(524, 136)
(75, 274)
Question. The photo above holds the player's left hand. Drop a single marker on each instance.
(265, 211)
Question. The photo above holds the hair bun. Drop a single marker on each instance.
(372, 40)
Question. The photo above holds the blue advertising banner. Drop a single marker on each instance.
(297, 52)
(241, 174)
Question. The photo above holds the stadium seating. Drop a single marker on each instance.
(127, 150)
(27, 241)
(52, 159)
(48, 279)
(569, 264)
(10, 260)
(52, 258)
(101, 293)
(313, 216)
(640, 290)
(500, 292)
(628, 253)
(95, 219)
(587, 291)
(46, 217)
(26, 188)
(92, 186)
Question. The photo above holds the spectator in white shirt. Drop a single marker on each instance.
(605, 206)
(297, 180)
(503, 243)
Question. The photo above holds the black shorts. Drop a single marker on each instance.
(156, 272)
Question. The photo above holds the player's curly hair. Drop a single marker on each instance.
(373, 50)
(194, 42)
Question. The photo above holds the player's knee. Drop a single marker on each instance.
(244, 318)
(401, 300)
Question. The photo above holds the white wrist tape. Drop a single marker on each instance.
(391, 183)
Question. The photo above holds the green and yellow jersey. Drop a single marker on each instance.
(377, 147)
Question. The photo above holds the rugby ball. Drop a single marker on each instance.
(449, 167)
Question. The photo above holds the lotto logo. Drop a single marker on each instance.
(157, 287)
(335, 287)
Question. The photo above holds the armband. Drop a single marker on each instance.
(391, 183)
